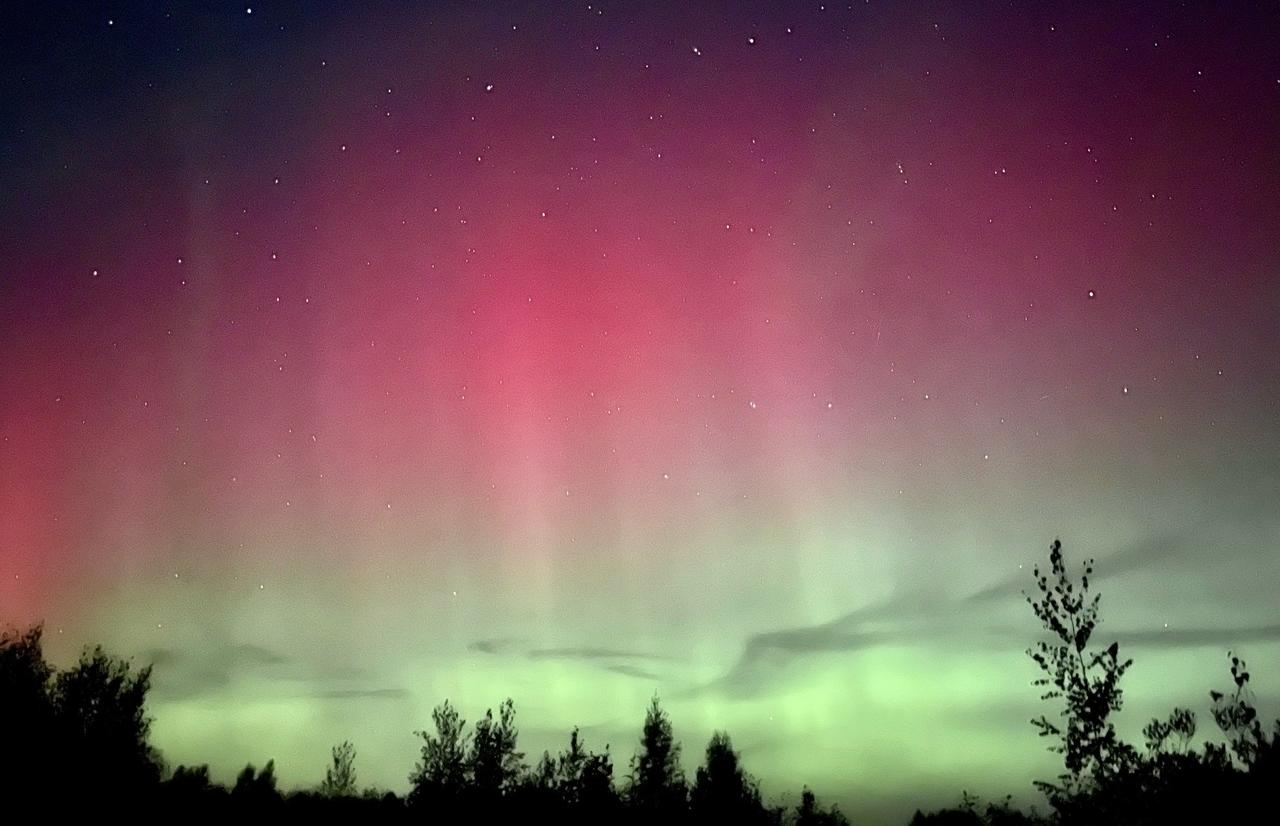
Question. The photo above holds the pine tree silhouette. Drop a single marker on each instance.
(657, 781)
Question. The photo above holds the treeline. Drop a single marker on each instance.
(76, 740)
(79, 738)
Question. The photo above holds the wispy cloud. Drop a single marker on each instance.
(931, 619)
(1193, 637)
(184, 674)
(181, 673)
(616, 660)
(361, 694)
(768, 652)
(500, 645)
(588, 653)
(632, 671)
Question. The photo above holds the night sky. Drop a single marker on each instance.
(356, 356)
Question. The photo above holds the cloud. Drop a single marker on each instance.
(511, 645)
(588, 653)
(225, 656)
(905, 616)
(918, 618)
(494, 646)
(616, 660)
(361, 694)
(1199, 637)
(184, 674)
(632, 671)
(159, 658)
(188, 673)
(765, 655)
(256, 655)
(923, 617)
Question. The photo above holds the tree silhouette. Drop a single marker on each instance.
(969, 813)
(595, 792)
(27, 709)
(495, 763)
(100, 706)
(1086, 681)
(441, 774)
(569, 766)
(722, 791)
(1236, 715)
(657, 781)
(576, 784)
(190, 781)
(191, 789)
(256, 790)
(340, 776)
(543, 776)
(584, 779)
(1173, 735)
(809, 813)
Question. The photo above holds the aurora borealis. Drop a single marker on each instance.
(356, 356)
